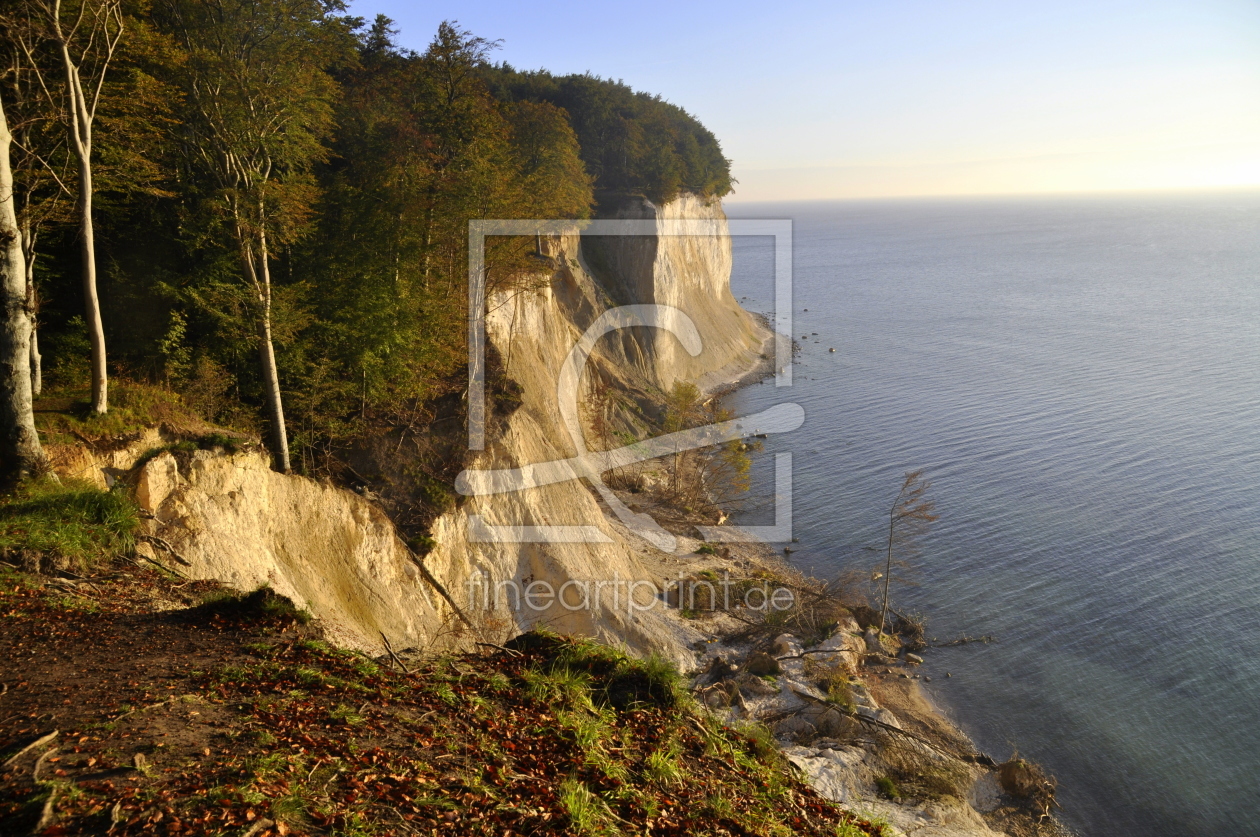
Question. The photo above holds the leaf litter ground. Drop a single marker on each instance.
(181, 710)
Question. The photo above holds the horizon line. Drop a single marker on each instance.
(1045, 193)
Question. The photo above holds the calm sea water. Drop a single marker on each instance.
(1081, 379)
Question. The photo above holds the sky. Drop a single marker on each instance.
(879, 98)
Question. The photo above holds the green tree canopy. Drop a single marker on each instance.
(631, 141)
(299, 179)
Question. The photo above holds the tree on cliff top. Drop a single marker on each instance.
(259, 107)
(84, 36)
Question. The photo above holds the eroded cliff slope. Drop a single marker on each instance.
(534, 332)
(229, 517)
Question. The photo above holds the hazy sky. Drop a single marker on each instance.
(882, 97)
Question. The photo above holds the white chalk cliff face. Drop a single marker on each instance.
(231, 518)
(534, 332)
(689, 272)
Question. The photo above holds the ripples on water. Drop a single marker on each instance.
(1081, 378)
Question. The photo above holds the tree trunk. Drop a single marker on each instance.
(37, 363)
(32, 310)
(92, 305)
(270, 376)
(892, 522)
(275, 407)
(81, 145)
(258, 273)
(20, 453)
(427, 240)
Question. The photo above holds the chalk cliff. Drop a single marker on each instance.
(690, 272)
(332, 551)
(534, 332)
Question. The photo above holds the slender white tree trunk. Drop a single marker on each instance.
(258, 274)
(275, 407)
(892, 522)
(81, 116)
(271, 377)
(92, 304)
(32, 310)
(21, 455)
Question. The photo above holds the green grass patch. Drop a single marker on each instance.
(69, 523)
(887, 788)
(851, 829)
(581, 671)
(588, 730)
(558, 685)
(209, 441)
(64, 416)
(663, 766)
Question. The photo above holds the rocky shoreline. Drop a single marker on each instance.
(849, 708)
(851, 712)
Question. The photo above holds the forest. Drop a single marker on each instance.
(260, 207)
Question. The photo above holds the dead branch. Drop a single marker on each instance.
(963, 640)
(39, 742)
(808, 698)
(159, 542)
(437, 585)
(510, 651)
(820, 651)
(142, 709)
(392, 655)
(162, 566)
(258, 826)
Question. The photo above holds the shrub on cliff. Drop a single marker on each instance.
(704, 479)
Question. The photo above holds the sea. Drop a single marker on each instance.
(1079, 377)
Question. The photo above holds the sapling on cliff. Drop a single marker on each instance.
(908, 520)
(707, 477)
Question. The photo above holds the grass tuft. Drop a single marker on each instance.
(559, 685)
(48, 524)
(587, 812)
(627, 681)
(662, 765)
